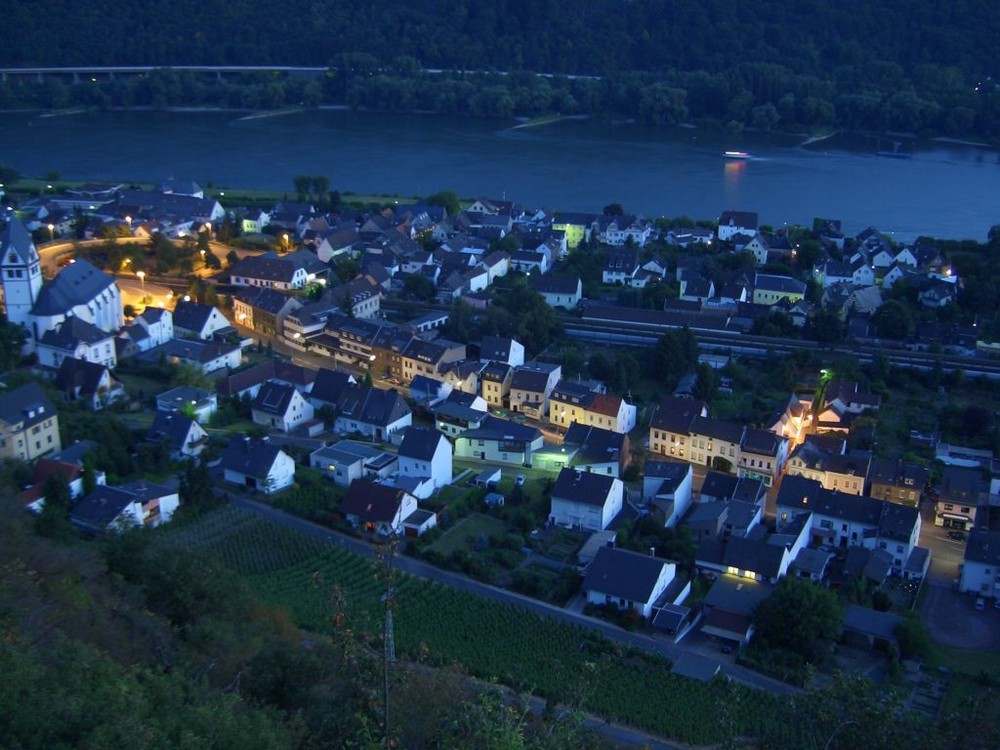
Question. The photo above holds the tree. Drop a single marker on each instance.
(893, 320)
(799, 617)
(320, 186)
(446, 199)
(189, 374)
(12, 338)
(705, 386)
(914, 637)
(675, 354)
(302, 183)
(418, 287)
(195, 489)
(53, 521)
(613, 209)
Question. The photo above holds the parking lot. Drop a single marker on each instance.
(954, 620)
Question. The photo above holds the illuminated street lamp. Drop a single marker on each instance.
(284, 238)
(128, 220)
(142, 278)
(52, 232)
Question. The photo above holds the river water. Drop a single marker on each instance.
(944, 190)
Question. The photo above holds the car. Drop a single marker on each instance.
(956, 535)
(520, 480)
(980, 604)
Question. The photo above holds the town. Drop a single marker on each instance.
(770, 451)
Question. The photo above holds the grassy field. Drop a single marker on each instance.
(440, 625)
(464, 534)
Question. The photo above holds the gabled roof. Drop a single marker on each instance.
(718, 429)
(72, 332)
(595, 443)
(676, 414)
(746, 219)
(174, 427)
(252, 458)
(274, 398)
(269, 300)
(330, 385)
(494, 428)
(762, 442)
(583, 487)
(496, 348)
(27, 404)
(370, 501)
(77, 284)
(17, 240)
(671, 473)
(79, 376)
(529, 378)
(420, 443)
(371, 405)
(624, 574)
(556, 284)
(101, 507)
(757, 556)
(773, 283)
(983, 547)
(191, 315)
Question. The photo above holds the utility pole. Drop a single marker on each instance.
(387, 554)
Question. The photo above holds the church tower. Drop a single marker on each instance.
(20, 274)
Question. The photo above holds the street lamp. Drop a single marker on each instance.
(142, 278)
(52, 232)
(284, 238)
(208, 228)
(128, 220)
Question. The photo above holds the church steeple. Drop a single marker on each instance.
(20, 272)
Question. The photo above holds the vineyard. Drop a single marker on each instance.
(440, 625)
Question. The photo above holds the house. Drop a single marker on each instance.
(559, 291)
(670, 426)
(667, 486)
(729, 605)
(349, 460)
(530, 387)
(720, 487)
(575, 227)
(494, 384)
(961, 491)
(426, 455)
(196, 402)
(732, 223)
(421, 357)
(377, 508)
(459, 412)
(715, 443)
(429, 392)
(152, 327)
(896, 481)
(770, 288)
(621, 264)
(109, 508)
(205, 356)
(197, 321)
(754, 559)
(980, 573)
(257, 465)
(762, 455)
(185, 437)
(371, 412)
(759, 248)
(837, 519)
(937, 295)
(627, 580)
(280, 406)
(89, 383)
(501, 349)
(793, 421)
(584, 500)
(29, 424)
(499, 441)
(597, 449)
(571, 402)
(265, 310)
(273, 271)
(75, 337)
(834, 470)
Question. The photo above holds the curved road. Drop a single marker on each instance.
(651, 644)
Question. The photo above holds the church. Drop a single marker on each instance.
(79, 291)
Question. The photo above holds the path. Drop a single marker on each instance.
(654, 644)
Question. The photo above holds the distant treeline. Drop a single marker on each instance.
(901, 65)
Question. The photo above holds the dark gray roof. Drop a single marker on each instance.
(189, 350)
(898, 473)
(77, 284)
(420, 443)
(983, 547)
(773, 283)
(269, 300)
(72, 332)
(759, 556)
(495, 347)
(172, 426)
(27, 403)
(595, 444)
(737, 595)
(761, 442)
(676, 414)
(79, 376)
(494, 428)
(496, 372)
(812, 560)
(623, 573)
(330, 384)
(249, 457)
(673, 470)
(717, 429)
(555, 284)
(871, 622)
(101, 507)
(528, 378)
(372, 405)
(583, 487)
(274, 397)
(571, 392)
(191, 316)
(370, 501)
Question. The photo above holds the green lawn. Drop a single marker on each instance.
(463, 534)
(968, 662)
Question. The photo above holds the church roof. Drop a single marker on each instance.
(77, 284)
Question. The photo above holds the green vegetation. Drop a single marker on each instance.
(709, 62)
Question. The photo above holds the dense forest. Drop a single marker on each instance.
(915, 66)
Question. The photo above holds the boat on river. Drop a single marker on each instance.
(737, 155)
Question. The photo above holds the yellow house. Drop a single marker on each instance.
(769, 289)
(575, 227)
(29, 425)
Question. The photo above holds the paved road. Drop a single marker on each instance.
(655, 644)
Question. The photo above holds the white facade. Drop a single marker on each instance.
(591, 517)
(280, 475)
(666, 577)
(299, 410)
(438, 468)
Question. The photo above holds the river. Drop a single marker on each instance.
(944, 190)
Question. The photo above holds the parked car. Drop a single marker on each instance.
(520, 480)
(957, 535)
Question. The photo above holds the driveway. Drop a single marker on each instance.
(954, 621)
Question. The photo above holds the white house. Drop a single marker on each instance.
(501, 349)
(280, 406)
(585, 500)
(257, 465)
(500, 441)
(732, 223)
(120, 508)
(981, 568)
(667, 486)
(425, 454)
(198, 321)
(559, 291)
(627, 580)
(186, 438)
(196, 402)
(152, 327)
(348, 460)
